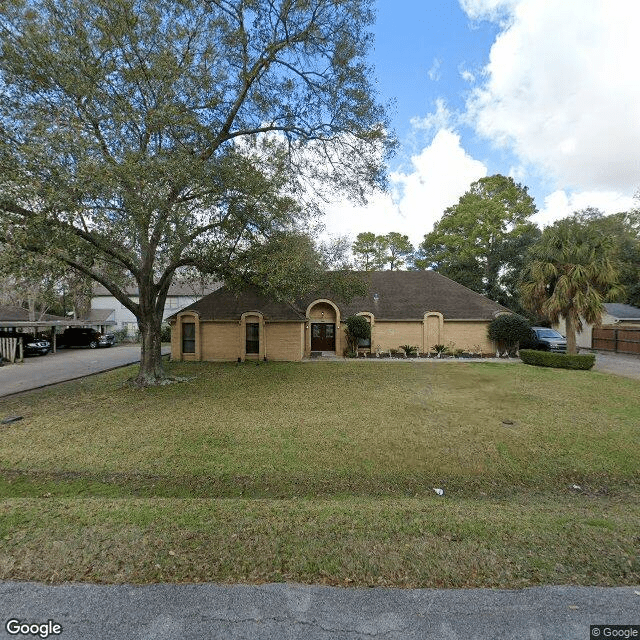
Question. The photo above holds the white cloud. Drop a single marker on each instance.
(434, 72)
(467, 76)
(438, 176)
(561, 89)
(561, 204)
(487, 9)
(441, 118)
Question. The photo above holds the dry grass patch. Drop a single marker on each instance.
(393, 542)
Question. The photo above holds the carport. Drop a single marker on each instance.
(14, 318)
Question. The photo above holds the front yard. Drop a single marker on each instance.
(325, 473)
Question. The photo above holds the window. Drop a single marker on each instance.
(253, 337)
(188, 337)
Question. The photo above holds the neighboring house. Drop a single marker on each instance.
(106, 311)
(418, 308)
(614, 314)
(102, 320)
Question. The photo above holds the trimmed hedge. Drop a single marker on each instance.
(557, 360)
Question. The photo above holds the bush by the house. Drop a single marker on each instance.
(557, 360)
(439, 349)
(507, 331)
(165, 332)
(358, 328)
(409, 350)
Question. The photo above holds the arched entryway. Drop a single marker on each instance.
(323, 322)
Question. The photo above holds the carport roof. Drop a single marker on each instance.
(12, 316)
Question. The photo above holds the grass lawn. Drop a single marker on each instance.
(325, 473)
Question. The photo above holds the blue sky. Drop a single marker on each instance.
(546, 91)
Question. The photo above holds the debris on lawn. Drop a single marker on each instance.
(576, 487)
(10, 419)
(507, 422)
(440, 492)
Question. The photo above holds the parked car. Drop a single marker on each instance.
(84, 337)
(33, 345)
(545, 339)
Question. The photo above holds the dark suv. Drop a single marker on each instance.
(84, 337)
(33, 345)
(545, 339)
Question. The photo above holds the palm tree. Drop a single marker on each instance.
(570, 274)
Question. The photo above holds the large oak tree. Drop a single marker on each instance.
(481, 241)
(140, 137)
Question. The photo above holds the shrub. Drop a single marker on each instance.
(557, 360)
(358, 328)
(165, 332)
(408, 349)
(120, 335)
(439, 349)
(507, 331)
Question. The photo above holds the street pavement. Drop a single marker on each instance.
(292, 611)
(66, 364)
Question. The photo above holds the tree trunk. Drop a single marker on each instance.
(151, 369)
(570, 325)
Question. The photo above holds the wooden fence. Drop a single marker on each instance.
(8, 348)
(618, 339)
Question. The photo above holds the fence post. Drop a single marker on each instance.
(615, 340)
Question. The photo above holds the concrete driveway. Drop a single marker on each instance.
(620, 364)
(67, 364)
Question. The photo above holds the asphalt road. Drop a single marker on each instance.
(66, 364)
(290, 611)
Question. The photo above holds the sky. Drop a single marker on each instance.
(544, 91)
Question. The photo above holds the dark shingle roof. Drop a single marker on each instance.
(10, 313)
(622, 311)
(393, 295)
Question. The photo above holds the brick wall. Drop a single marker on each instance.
(467, 334)
(390, 335)
(285, 340)
(220, 340)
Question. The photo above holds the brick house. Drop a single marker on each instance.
(419, 308)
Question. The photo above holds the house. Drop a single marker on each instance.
(615, 315)
(107, 312)
(419, 308)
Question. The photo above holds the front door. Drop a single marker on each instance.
(323, 336)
